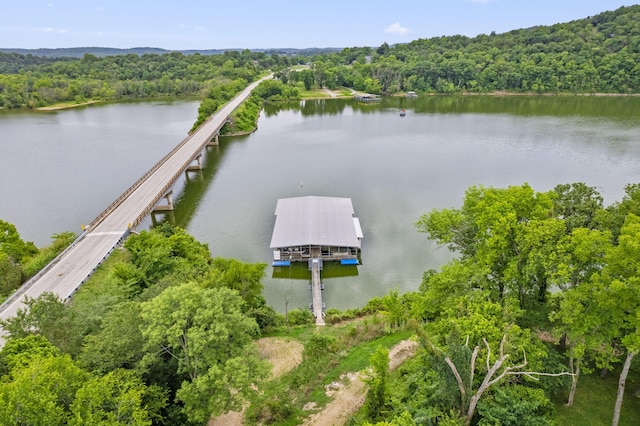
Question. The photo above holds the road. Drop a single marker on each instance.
(76, 265)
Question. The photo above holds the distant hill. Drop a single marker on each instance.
(79, 52)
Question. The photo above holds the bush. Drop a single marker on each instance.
(300, 317)
(10, 275)
(319, 345)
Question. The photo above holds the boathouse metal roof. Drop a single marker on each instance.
(315, 221)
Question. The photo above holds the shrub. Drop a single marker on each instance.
(300, 317)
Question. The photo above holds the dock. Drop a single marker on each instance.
(316, 230)
(316, 290)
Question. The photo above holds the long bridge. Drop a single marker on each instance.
(106, 232)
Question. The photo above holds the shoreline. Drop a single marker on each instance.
(66, 106)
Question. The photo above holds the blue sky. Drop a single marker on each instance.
(220, 24)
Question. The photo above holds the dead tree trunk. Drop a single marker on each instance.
(574, 378)
(621, 384)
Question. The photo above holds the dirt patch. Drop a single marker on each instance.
(347, 399)
(283, 354)
(232, 418)
(348, 394)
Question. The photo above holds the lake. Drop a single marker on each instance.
(60, 169)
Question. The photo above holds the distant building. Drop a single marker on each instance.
(366, 97)
(315, 227)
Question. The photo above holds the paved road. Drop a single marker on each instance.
(80, 261)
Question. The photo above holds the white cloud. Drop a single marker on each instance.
(51, 30)
(480, 1)
(396, 28)
(49, 4)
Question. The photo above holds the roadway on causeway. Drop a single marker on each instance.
(72, 268)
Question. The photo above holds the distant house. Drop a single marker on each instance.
(366, 97)
(315, 227)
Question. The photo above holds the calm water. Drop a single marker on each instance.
(69, 165)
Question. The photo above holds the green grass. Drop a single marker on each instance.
(595, 399)
(358, 358)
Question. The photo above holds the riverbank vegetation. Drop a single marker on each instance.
(535, 321)
(543, 293)
(29, 83)
(245, 118)
(598, 54)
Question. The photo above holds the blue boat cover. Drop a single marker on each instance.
(281, 263)
(349, 262)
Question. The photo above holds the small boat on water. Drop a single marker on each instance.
(403, 113)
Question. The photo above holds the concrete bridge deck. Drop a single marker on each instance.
(69, 270)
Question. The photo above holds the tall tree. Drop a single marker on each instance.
(207, 333)
(506, 233)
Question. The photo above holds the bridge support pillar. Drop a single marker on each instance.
(166, 207)
(169, 215)
(198, 165)
(214, 140)
(194, 167)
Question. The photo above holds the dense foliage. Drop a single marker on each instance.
(165, 336)
(29, 83)
(527, 264)
(245, 118)
(595, 54)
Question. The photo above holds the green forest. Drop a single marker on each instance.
(599, 54)
(535, 321)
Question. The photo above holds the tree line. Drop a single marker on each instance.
(26, 82)
(599, 54)
(595, 54)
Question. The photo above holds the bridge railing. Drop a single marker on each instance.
(29, 283)
(149, 172)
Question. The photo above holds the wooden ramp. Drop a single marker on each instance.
(316, 291)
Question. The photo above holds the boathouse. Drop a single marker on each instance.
(315, 228)
(366, 97)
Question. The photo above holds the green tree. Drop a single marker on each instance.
(395, 313)
(577, 205)
(18, 352)
(12, 245)
(10, 275)
(118, 398)
(48, 316)
(376, 404)
(118, 344)
(163, 253)
(41, 392)
(308, 78)
(506, 234)
(211, 339)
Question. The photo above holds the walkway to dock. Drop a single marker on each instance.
(316, 291)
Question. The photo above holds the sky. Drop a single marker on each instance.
(250, 24)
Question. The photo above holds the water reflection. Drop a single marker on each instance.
(301, 271)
